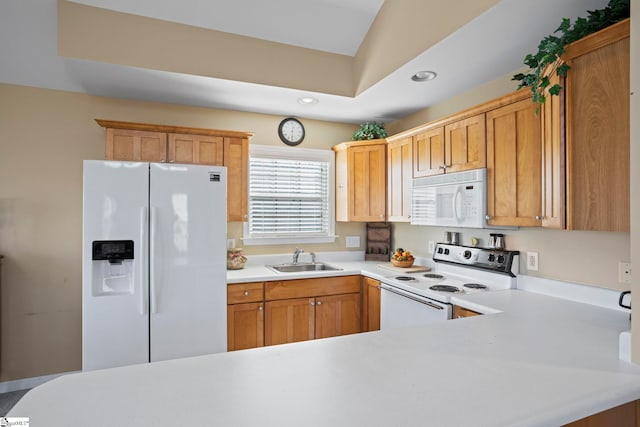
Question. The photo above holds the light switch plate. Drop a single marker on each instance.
(353, 241)
(231, 243)
(532, 261)
(432, 246)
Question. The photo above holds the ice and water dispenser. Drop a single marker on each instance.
(112, 267)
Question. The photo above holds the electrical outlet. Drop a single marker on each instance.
(532, 261)
(432, 246)
(624, 272)
(353, 241)
(231, 243)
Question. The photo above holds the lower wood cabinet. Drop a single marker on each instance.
(299, 310)
(370, 304)
(627, 415)
(460, 312)
(245, 326)
(289, 320)
(245, 315)
(337, 315)
(278, 312)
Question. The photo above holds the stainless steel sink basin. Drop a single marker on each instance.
(303, 266)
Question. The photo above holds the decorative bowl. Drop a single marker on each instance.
(402, 264)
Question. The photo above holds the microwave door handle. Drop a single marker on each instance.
(455, 204)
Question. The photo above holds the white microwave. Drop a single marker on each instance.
(456, 199)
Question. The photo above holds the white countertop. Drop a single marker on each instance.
(538, 361)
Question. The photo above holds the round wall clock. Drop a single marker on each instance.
(291, 131)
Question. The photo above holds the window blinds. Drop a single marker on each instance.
(288, 197)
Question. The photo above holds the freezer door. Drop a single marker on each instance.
(188, 229)
(115, 320)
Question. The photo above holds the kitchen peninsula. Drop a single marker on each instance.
(537, 361)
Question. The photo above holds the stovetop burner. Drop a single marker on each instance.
(444, 288)
(475, 286)
(433, 276)
(405, 278)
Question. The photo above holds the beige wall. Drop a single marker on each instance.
(589, 258)
(44, 136)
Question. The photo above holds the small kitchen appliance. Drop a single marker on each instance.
(423, 298)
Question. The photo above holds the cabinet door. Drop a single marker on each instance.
(370, 304)
(428, 153)
(514, 177)
(236, 159)
(135, 145)
(399, 180)
(197, 149)
(598, 117)
(367, 182)
(465, 144)
(289, 321)
(553, 159)
(337, 315)
(245, 326)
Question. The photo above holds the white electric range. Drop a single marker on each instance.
(423, 298)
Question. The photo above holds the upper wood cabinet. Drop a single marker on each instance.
(453, 145)
(361, 181)
(428, 152)
(553, 160)
(465, 144)
(135, 145)
(597, 130)
(399, 180)
(514, 194)
(177, 144)
(236, 159)
(196, 149)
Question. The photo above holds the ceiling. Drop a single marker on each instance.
(490, 46)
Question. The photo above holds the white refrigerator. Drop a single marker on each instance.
(153, 262)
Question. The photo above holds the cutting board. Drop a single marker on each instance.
(412, 269)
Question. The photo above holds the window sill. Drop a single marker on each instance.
(285, 240)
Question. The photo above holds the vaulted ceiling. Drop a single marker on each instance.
(355, 57)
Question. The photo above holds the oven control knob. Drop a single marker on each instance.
(439, 250)
(492, 257)
(500, 259)
(446, 251)
(467, 254)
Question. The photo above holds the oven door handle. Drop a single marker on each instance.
(416, 299)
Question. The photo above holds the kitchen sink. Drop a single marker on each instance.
(303, 266)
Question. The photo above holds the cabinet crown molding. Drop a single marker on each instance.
(114, 124)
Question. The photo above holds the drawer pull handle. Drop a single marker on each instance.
(246, 293)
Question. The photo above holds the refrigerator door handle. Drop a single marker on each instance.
(152, 260)
(144, 256)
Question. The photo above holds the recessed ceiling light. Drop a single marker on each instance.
(307, 100)
(423, 76)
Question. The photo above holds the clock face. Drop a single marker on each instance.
(291, 131)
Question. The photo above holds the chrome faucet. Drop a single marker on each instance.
(296, 254)
(313, 257)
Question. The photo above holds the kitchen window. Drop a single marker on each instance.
(291, 196)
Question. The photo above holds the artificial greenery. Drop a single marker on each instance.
(548, 58)
(370, 130)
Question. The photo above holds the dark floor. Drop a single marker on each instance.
(7, 400)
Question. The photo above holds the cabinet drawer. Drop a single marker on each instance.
(245, 292)
(303, 288)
